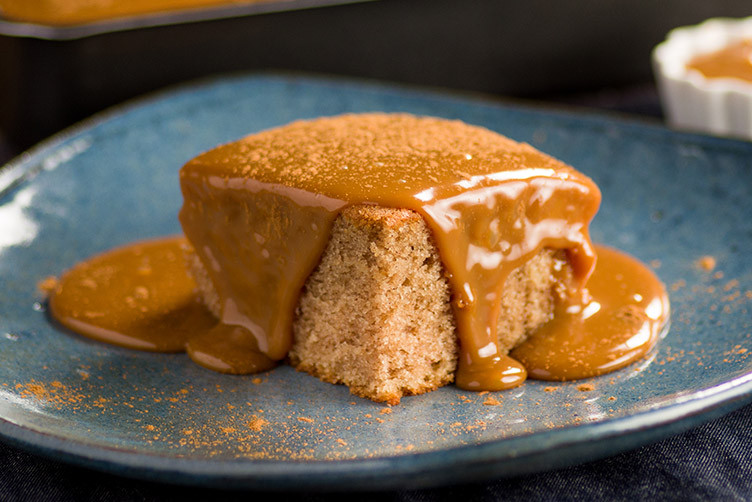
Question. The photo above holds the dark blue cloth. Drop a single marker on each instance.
(710, 462)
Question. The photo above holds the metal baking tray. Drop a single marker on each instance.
(52, 76)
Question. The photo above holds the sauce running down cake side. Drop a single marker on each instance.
(259, 214)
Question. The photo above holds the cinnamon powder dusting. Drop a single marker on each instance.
(52, 393)
(257, 424)
(47, 285)
(249, 431)
(706, 263)
(304, 151)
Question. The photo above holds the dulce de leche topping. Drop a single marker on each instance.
(137, 296)
(619, 321)
(258, 213)
(733, 61)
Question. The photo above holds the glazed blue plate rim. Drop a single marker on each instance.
(500, 458)
(406, 471)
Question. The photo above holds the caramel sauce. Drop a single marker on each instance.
(733, 61)
(137, 296)
(258, 213)
(141, 296)
(617, 324)
(157, 308)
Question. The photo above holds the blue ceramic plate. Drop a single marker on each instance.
(668, 198)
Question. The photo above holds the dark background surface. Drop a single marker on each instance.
(585, 53)
(533, 49)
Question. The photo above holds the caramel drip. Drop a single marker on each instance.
(227, 349)
(259, 212)
(619, 323)
(141, 296)
(138, 296)
(733, 61)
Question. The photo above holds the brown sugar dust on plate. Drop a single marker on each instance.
(287, 210)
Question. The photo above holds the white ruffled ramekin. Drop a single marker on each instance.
(720, 106)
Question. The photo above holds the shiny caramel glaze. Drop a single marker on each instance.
(141, 296)
(259, 211)
(137, 296)
(618, 322)
(733, 61)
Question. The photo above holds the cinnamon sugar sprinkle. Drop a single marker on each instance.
(249, 431)
(706, 263)
(350, 145)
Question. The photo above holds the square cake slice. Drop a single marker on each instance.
(389, 252)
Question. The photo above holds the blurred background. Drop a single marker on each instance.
(585, 53)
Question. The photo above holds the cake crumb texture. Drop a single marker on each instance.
(376, 313)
